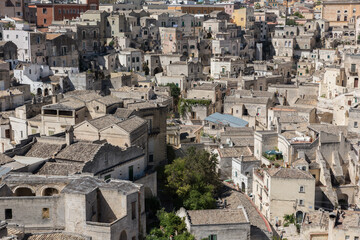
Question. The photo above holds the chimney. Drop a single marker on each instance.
(54, 99)
(69, 135)
(278, 126)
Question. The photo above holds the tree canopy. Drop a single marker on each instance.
(170, 225)
(193, 179)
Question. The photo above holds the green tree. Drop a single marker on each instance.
(298, 14)
(175, 92)
(288, 219)
(193, 179)
(170, 225)
(291, 22)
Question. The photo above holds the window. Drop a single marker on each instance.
(353, 68)
(51, 132)
(95, 34)
(301, 202)
(213, 237)
(133, 210)
(8, 214)
(338, 18)
(236, 174)
(356, 238)
(64, 50)
(44, 10)
(107, 177)
(347, 237)
(45, 213)
(151, 158)
(355, 124)
(83, 34)
(137, 59)
(302, 189)
(59, 11)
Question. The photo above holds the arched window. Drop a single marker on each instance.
(23, 191)
(50, 191)
(83, 34)
(95, 34)
(123, 235)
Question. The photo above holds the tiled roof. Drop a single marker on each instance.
(131, 124)
(288, 173)
(328, 128)
(43, 150)
(109, 100)
(62, 169)
(235, 199)
(206, 86)
(248, 93)
(123, 113)
(5, 159)
(80, 152)
(55, 236)
(142, 105)
(104, 121)
(235, 152)
(232, 99)
(217, 216)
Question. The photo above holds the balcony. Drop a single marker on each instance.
(259, 174)
(353, 73)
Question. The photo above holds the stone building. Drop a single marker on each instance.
(280, 191)
(81, 205)
(340, 13)
(8, 53)
(155, 115)
(222, 224)
(132, 131)
(61, 51)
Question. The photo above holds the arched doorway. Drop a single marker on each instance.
(299, 216)
(157, 70)
(50, 192)
(123, 235)
(243, 187)
(343, 201)
(39, 91)
(23, 191)
(46, 92)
